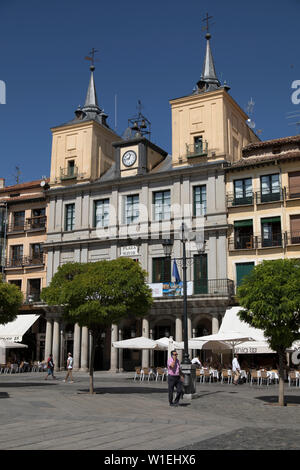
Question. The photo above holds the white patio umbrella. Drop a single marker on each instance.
(169, 344)
(11, 345)
(140, 342)
(232, 338)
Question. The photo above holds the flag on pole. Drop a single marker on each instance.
(175, 272)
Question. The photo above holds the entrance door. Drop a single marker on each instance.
(200, 274)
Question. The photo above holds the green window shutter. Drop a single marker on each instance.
(243, 223)
(242, 269)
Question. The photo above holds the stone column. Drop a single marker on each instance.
(145, 352)
(215, 325)
(114, 351)
(48, 342)
(56, 354)
(178, 334)
(84, 349)
(62, 352)
(151, 333)
(76, 347)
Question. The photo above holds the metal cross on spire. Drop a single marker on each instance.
(92, 58)
(207, 18)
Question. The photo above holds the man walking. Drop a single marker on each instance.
(69, 368)
(236, 370)
(50, 367)
(174, 379)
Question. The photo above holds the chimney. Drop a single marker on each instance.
(2, 183)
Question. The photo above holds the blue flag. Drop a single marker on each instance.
(175, 272)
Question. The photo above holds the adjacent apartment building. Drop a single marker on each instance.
(263, 204)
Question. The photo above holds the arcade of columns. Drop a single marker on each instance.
(82, 342)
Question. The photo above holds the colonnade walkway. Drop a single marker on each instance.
(127, 415)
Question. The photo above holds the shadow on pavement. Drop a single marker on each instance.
(25, 384)
(124, 390)
(289, 399)
(4, 395)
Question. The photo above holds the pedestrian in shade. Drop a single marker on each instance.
(174, 379)
(69, 368)
(50, 367)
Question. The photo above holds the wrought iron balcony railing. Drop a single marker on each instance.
(214, 287)
(292, 238)
(233, 201)
(69, 173)
(25, 261)
(262, 197)
(242, 242)
(197, 150)
(36, 223)
(273, 241)
(32, 298)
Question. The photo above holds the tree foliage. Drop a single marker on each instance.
(11, 299)
(101, 293)
(270, 295)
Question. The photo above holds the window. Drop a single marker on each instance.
(33, 290)
(198, 144)
(295, 228)
(69, 217)
(243, 191)
(200, 274)
(17, 282)
(19, 220)
(162, 205)
(132, 209)
(36, 253)
(243, 234)
(294, 184)
(199, 200)
(161, 270)
(16, 255)
(271, 232)
(101, 213)
(71, 168)
(270, 188)
(38, 218)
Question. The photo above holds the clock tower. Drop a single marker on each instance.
(137, 155)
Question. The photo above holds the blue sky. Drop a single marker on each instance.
(152, 51)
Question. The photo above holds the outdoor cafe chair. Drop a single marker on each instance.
(146, 372)
(160, 372)
(2, 367)
(206, 376)
(199, 375)
(225, 376)
(138, 373)
(293, 378)
(264, 378)
(21, 367)
(254, 377)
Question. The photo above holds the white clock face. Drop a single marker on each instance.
(129, 158)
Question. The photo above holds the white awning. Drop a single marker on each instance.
(14, 331)
(11, 344)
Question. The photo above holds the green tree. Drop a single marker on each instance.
(270, 295)
(11, 299)
(98, 294)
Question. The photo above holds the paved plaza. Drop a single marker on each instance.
(125, 415)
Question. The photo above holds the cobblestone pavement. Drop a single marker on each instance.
(126, 415)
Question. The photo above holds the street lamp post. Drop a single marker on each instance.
(187, 367)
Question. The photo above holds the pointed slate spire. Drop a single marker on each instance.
(208, 80)
(91, 101)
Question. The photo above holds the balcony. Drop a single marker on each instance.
(273, 241)
(25, 262)
(262, 198)
(69, 173)
(32, 298)
(292, 238)
(203, 287)
(199, 149)
(242, 242)
(233, 201)
(36, 223)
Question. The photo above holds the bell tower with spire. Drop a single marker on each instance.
(208, 124)
(82, 148)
